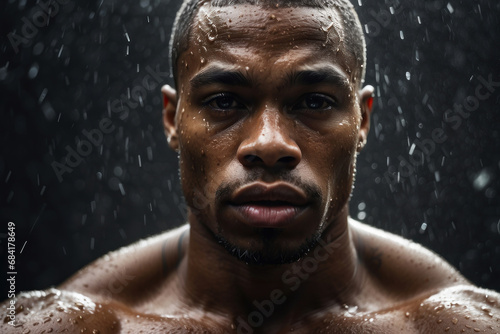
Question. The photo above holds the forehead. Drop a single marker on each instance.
(248, 22)
(266, 35)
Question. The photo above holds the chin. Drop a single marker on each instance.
(268, 248)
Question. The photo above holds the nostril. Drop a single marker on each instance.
(252, 158)
(287, 160)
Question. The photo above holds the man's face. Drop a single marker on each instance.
(268, 123)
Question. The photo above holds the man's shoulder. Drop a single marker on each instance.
(50, 310)
(426, 291)
(405, 269)
(122, 275)
(62, 311)
(461, 308)
(99, 295)
(455, 309)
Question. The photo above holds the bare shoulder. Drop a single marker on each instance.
(55, 310)
(60, 311)
(97, 297)
(405, 269)
(457, 309)
(428, 295)
(122, 275)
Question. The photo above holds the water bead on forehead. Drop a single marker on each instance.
(337, 28)
(205, 16)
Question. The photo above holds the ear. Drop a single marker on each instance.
(169, 111)
(366, 105)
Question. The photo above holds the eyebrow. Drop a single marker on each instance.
(326, 74)
(218, 75)
(221, 75)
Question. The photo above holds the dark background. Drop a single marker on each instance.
(423, 59)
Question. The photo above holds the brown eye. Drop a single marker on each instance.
(315, 102)
(224, 102)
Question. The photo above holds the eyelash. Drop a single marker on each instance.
(208, 102)
(330, 103)
(324, 99)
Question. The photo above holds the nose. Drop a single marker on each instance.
(268, 143)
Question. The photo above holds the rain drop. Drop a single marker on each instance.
(33, 71)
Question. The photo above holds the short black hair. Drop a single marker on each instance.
(354, 39)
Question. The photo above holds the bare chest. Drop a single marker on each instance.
(385, 324)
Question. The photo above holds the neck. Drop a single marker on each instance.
(327, 276)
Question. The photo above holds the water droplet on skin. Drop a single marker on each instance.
(327, 28)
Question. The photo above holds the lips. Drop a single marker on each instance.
(268, 205)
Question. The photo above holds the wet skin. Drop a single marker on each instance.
(268, 120)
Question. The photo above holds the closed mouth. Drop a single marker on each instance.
(263, 205)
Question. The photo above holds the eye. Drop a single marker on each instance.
(315, 102)
(224, 102)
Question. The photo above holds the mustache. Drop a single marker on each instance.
(225, 190)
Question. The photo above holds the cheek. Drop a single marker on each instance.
(337, 149)
(346, 155)
(204, 159)
(192, 158)
(337, 159)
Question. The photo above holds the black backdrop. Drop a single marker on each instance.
(429, 177)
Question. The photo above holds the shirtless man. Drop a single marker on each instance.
(268, 118)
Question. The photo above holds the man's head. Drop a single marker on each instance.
(268, 119)
(353, 38)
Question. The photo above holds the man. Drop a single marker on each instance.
(268, 117)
